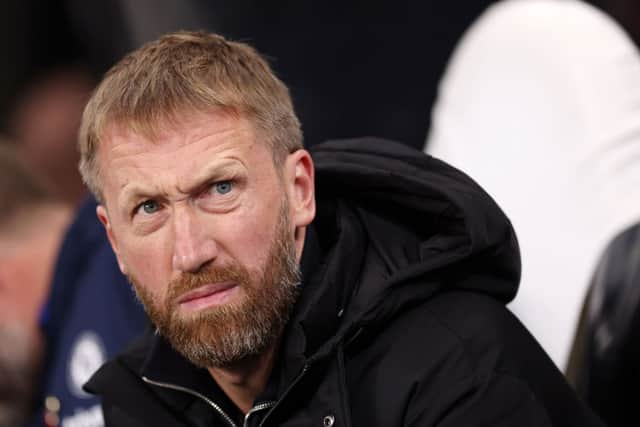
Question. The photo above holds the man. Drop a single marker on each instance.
(31, 227)
(382, 304)
(45, 118)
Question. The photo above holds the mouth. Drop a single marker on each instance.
(210, 295)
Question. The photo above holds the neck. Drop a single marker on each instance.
(243, 381)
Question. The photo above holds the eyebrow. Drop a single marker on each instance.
(225, 169)
(210, 173)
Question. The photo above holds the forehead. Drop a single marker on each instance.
(191, 125)
(188, 138)
(174, 153)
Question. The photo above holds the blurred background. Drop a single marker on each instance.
(402, 70)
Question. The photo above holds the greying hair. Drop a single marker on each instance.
(185, 72)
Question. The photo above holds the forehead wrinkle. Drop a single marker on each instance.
(233, 136)
(184, 184)
(172, 137)
(187, 123)
(127, 143)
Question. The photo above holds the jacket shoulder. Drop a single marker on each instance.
(466, 350)
(478, 323)
(492, 341)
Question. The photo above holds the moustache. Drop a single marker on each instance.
(211, 274)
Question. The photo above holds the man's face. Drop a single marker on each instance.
(203, 225)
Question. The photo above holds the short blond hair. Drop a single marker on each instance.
(183, 72)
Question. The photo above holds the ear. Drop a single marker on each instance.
(300, 185)
(103, 216)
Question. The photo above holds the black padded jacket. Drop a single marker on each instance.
(401, 320)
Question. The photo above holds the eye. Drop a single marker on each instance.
(149, 207)
(223, 187)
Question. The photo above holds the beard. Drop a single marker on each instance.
(227, 334)
(19, 367)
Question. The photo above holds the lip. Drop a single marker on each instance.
(207, 296)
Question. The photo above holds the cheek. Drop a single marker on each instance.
(148, 263)
(250, 236)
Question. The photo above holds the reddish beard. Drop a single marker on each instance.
(229, 333)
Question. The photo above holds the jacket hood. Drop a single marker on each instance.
(395, 227)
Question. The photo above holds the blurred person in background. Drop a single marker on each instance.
(43, 87)
(89, 316)
(80, 333)
(541, 103)
(45, 121)
(31, 227)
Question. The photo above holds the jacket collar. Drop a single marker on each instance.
(165, 366)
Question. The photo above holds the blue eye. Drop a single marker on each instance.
(150, 206)
(223, 187)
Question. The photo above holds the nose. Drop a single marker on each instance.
(193, 248)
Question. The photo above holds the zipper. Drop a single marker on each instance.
(305, 368)
(217, 408)
(257, 408)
